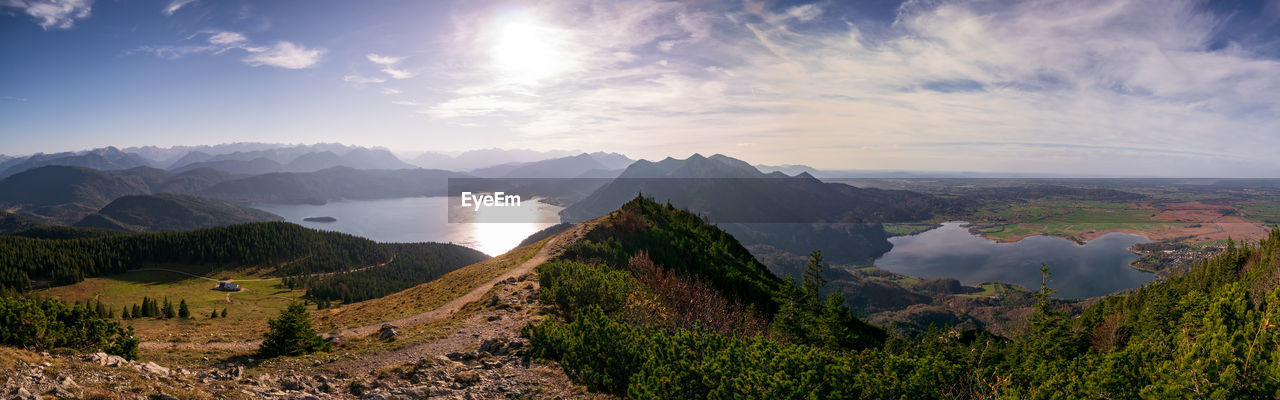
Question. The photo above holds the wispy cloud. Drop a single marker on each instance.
(15, 98)
(388, 65)
(390, 91)
(362, 80)
(55, 14)
(283, 55)
(175, 5)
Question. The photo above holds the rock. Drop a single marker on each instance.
(153, 368)
(494, 301)
(379, 395)
(439, 391)
(60, 393)
(293, 383)
(467, 378)
(67, 382)
(162, 396)
(455, 356)
(107, 360)
(236, 373)
(23, 394)
(515, 346)
(419, 392)
(387, 332)
(335, 340)
(495, 347)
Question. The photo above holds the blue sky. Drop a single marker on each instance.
(1129, 87)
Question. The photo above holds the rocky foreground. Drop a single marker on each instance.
(484, 358)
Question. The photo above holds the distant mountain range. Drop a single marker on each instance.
(64, 195)
(106, 159)
(268, 161)
(332, 184)
(169, 213)
(476, 159)
(593, 165)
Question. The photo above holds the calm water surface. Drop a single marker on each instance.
(1097, 268)
(423, 219)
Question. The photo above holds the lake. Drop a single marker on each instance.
(423, 219)
(1097, 268)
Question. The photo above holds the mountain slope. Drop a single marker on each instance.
(332, 184)
(168, 212)
(261, 165)
(64, 194)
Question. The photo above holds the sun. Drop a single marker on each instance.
(528, 52)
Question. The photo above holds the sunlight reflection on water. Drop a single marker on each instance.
(425, 219)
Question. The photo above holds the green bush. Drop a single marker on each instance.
(573, 286)
(291, 334)
(47, 324)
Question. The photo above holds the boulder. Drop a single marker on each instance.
(495, 347)
(107, 360)
(467, 378)
(294, 383)
(387, 332)
(153, 368)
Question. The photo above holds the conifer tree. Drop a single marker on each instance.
(291, 334)
(183, 312)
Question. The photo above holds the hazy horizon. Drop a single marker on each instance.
(1178, 88)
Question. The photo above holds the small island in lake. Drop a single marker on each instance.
(320, 219)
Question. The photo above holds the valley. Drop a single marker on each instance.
(394, 286)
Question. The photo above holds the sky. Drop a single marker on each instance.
(1106, 87)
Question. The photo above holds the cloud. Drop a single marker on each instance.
(1143, 82)
(283, 55)
(390, 91)
(15, 98)
(389, 66)
(383, 60)
(56, 14)
(362, 80)
(175, 5)
(227, 38)
(218, 42)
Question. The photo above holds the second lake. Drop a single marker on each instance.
(1097, 268)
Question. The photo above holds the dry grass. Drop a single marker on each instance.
(423, 297)
(247, 310)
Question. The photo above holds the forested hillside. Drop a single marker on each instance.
(288, 249)
(169, 212)
(656, 305)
